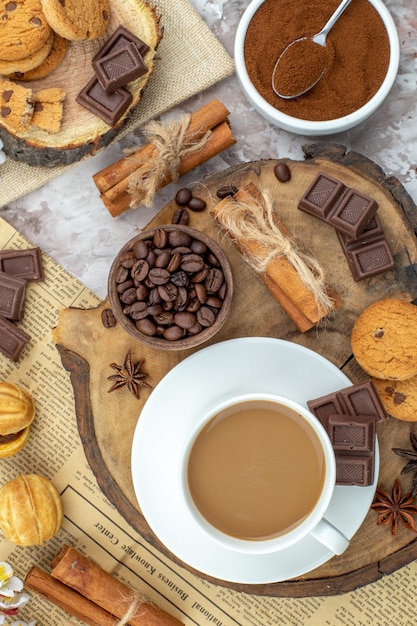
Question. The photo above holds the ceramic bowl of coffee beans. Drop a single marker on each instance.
(171, 287)
(357, 67)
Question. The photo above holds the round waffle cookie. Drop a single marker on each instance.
(384, 339)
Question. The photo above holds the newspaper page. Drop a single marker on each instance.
(94, 527)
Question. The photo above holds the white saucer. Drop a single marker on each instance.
(211, 375)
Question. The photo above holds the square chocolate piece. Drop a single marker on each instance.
(119, 67)
(363, 399)
(321, 196)
(353, 213)
(326, 406)
(12, 339)
(108, 106)
(354, 470)
(12, 296)
(119, 39)
(354, 434)
(25, 264)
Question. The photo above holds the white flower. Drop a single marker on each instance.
(9, 584)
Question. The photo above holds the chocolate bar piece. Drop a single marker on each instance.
(119, 39)
(353, 213)
(352, 433)
(322, 196)
(12, 296)
(12, 339)
(108, 106)
(354, 470)
(25, 264)
(361, 399)
(346, 209)
(119, 67)
(368, 255)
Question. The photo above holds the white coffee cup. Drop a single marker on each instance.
(257, 410)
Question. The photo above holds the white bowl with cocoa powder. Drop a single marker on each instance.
(364, 52)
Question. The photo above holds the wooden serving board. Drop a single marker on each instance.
(107, 421)
(81, 131)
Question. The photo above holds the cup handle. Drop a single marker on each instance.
(330, 536)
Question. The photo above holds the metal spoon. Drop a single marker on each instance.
(318, 39)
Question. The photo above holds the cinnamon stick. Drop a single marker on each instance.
(117, 198)
(67, 599)
(113, 181)
(78, 572)
(280, 277)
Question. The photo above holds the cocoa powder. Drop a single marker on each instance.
(358, 55)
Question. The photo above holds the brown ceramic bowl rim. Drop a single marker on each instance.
(159, 342)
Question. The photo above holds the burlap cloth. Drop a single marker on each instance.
(192, 59)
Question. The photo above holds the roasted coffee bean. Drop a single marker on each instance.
(183, 196)
(138, 310)
(128, 296)
(162, 259)
(155, 309)
(181, 250)
(150, 259)
(201, 292)
(197, 205)
(121, 274)
(146, 326)
(121, 287)
(154, 297)
(221, 293)
(127, 259)
(174, 262)
(173, 333)
(178, 238)
(227, 190)
(168, 292)
(199, 247)
(201, 276)
(205, 316)
(108, 319)
(165, 318)
(159, 275)
(197, 328)
(185, 319)
(142, 292)
(282, 172)
(180, 279)
(140, 249)
(168, 305)
(193, 304)
(214, 280)
(213, 260)
(140, 270)
(160, 238)
(212, 301)
(192, 263)
(181, 300)
(181, 216)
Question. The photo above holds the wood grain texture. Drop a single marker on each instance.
(107, 421)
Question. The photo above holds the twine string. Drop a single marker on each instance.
(256, 223)
(171, 145)
(132, 611)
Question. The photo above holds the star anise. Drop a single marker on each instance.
(129, 374)
(411, 466)
(394, 508)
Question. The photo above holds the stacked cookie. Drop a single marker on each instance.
(34, 36)
(384, 342)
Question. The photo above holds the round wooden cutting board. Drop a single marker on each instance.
(81, 131)
(107, 421)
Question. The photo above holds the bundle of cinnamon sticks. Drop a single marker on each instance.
(295, 291)
(114, 181)
(83, 589)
